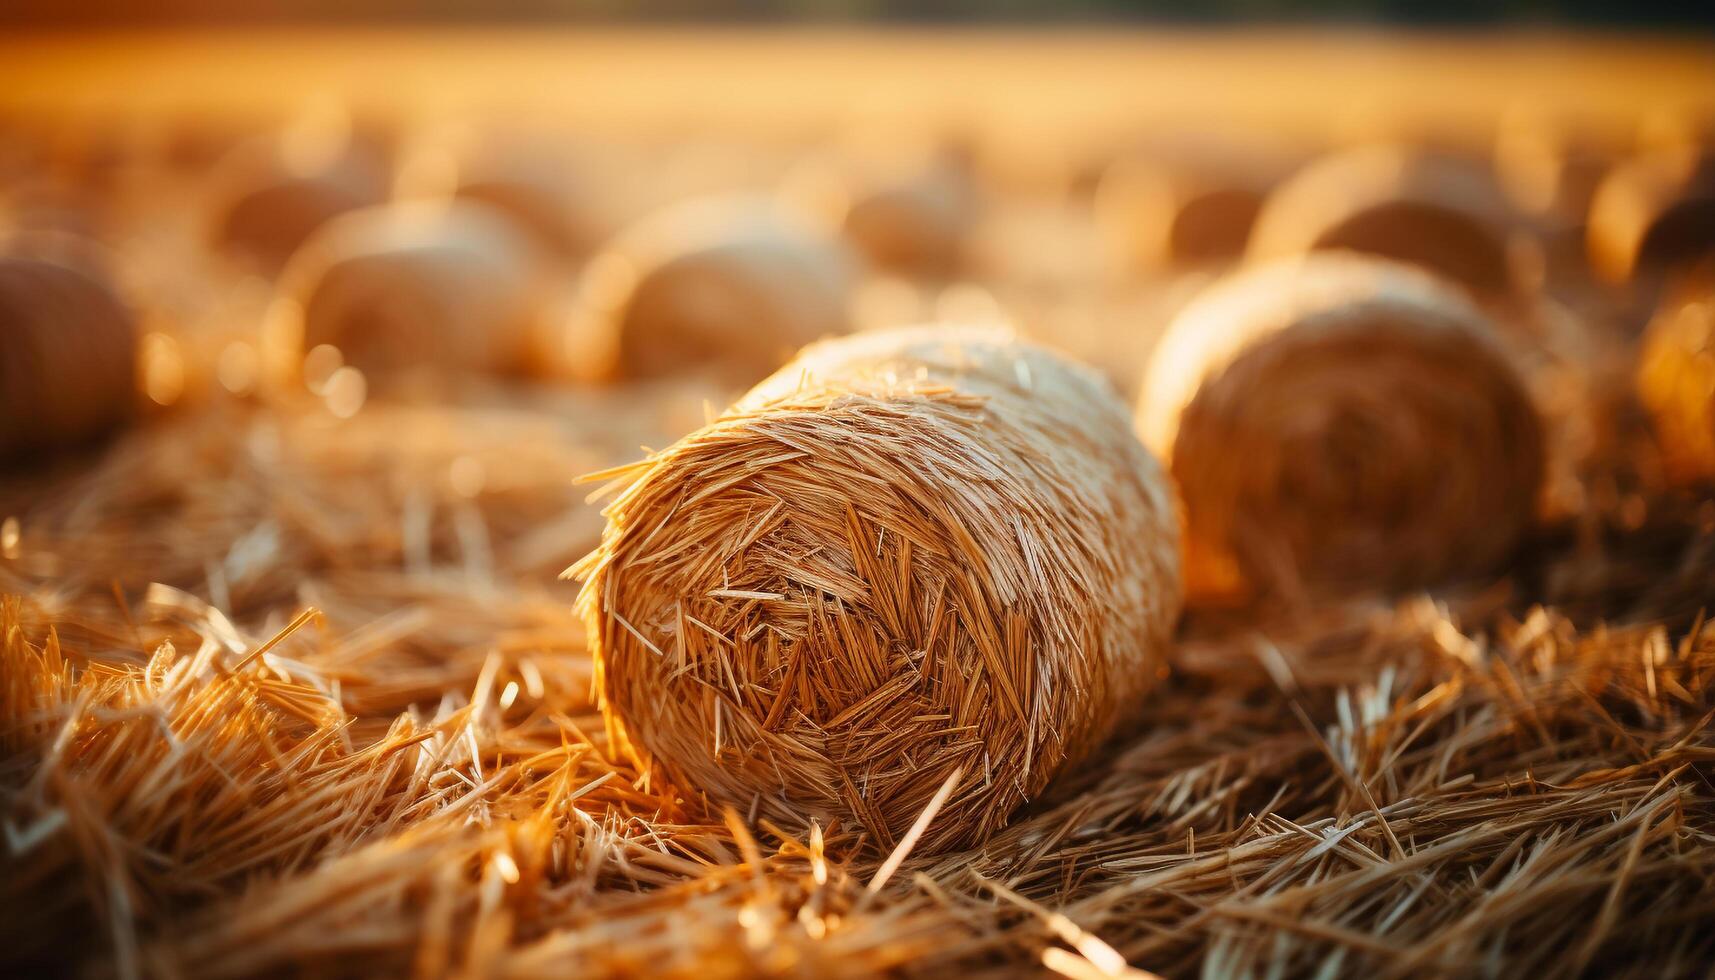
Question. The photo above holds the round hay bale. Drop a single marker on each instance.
(1187, 201)
(1422, 210)
(68, 363)
(270, 196)
(1339, 422)
(447, 287)
(729, 286)
(1676, 376)
(1654, 212)
(542, 197)
(907, 553)
(918, 225)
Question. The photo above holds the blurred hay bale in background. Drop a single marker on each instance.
(68, 356)
(447, 287)
(729, 285)
(1396, 202)
(1339, 422)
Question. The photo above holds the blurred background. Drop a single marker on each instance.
(459, 197)
(1613, 12)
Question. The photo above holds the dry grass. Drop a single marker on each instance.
(200, 779)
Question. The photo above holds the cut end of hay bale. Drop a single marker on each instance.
(893, 560)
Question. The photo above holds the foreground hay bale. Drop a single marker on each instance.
(448, 287)
(68, 358)
(1424, 210)
(910, 561)
(1340, 422)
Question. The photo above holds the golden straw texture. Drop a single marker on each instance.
(1424, 210)
(437, 285)
(1676, 376)
(909, 558)
(730, 285)
(1340, 421)
(417, 780)
(68, 351)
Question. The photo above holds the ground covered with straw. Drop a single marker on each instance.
(281, 693)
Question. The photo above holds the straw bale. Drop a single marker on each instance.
(1676, 375)
(68, 359)
(1390, 201)
(447, 287)
(1340, 422)
(917, 225)
(910, 560)
(731, 286)
(267, 197)
(1189, 200)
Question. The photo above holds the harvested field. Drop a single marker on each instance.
(291, 682)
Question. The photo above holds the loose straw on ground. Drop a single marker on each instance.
(1339, 421)
(905, 553)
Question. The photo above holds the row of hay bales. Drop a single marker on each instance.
(933, 566)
